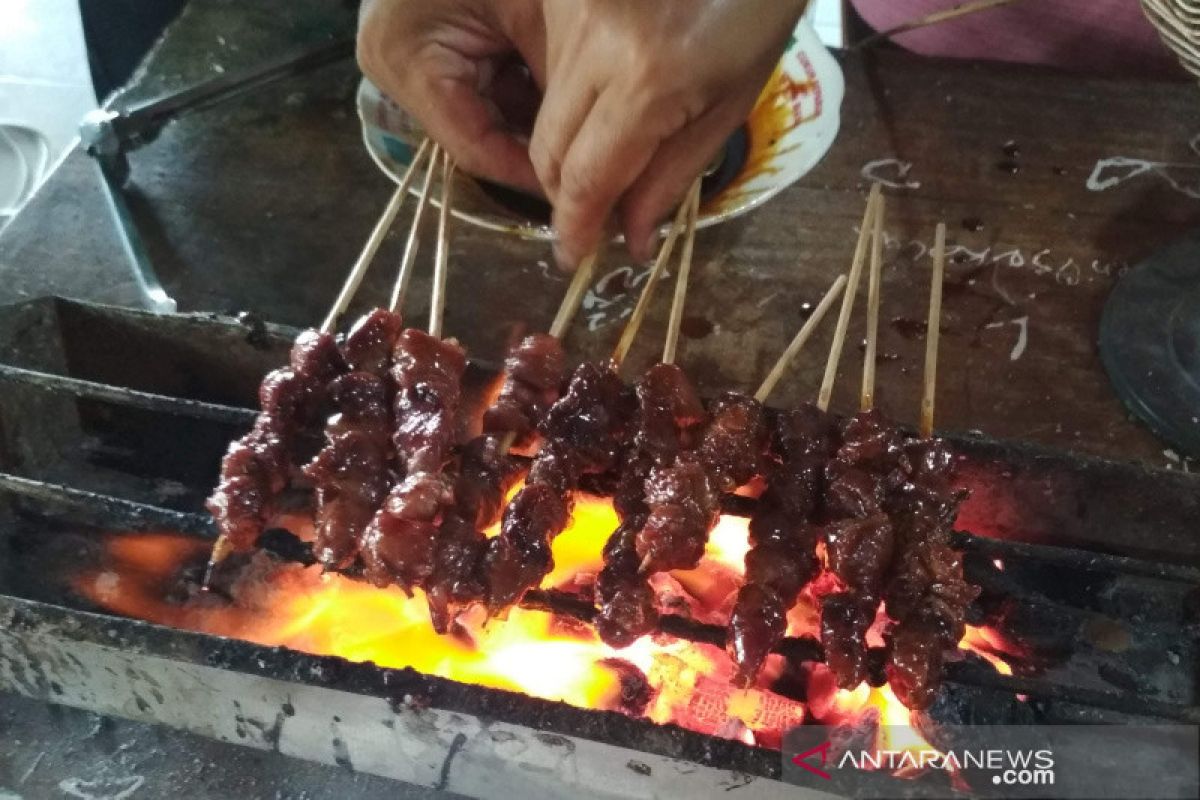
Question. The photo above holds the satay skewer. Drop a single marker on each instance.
(222, 548)
(580, 282)
(867, 398)
(437, 302)
(681, 280)
(933, 331)
(801, 338)
(567, 309)
(839, 336)
(643, 303)
(359, 270)
(414, 233)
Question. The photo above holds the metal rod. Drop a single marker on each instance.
(99, 509)
(77, 387)
(1073, 558)
(140, 123)
(984, 677)
(154, 296)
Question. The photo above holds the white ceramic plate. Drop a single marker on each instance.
(791, 127)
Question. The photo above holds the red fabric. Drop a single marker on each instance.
(1101, 36)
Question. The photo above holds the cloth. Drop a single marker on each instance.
(1110, 37)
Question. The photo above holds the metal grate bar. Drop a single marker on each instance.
(798, 648)
(159, 403)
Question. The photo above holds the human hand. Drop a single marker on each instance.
(639, 98)
(459, 67)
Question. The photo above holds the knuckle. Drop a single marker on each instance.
(547, 165)
(581, 187)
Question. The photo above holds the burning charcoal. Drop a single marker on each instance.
(636, 691)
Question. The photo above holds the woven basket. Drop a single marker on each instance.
(1178, 23)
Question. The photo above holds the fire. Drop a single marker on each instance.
(532, 652)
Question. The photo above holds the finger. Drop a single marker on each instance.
(613, 147)
(568, 102)
(659, 188)
(455, 115)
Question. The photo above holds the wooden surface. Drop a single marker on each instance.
(264, 203)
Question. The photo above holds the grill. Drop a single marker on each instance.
(112, 423)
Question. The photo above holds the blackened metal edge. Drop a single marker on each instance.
(400, 687)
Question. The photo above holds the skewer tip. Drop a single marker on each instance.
(221, 551)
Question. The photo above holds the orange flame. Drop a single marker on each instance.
(531, 652)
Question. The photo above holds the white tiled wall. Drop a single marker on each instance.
(45, 88)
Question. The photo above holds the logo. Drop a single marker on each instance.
(822, 750)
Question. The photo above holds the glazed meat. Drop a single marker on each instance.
(859, 552)
(845, 619)
(399, 546)
(683, 509)
(734, 441)
(582, 433)
(351, 475)
(518, 559)
(627, 609)
(782, 558)
(534, 370)
(368, 345)
(427, 374)
(456, 580)
(485, 475)
(256, 468)
(668, 410)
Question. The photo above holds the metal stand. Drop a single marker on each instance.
(110, 135)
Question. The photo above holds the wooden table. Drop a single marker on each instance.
(1052, 185)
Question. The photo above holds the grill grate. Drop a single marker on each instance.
(85, 436)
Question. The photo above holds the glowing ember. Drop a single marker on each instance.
(538, 654)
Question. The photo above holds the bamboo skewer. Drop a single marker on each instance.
(801, 338)
(221, 548)
(681, 280)
(961, 10)
(839, 336)
(570, 302)
(437, 301)
(359, 270)
(933, 331)
(867, 399)
(639, 311)
(562, 320)
(414, 232)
